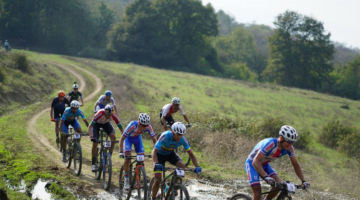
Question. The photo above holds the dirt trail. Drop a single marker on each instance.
(46, 147)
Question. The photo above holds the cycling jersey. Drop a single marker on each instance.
(132, 130)
(166, 143)
(70, 116)
(59, 107)
(168, 109)
(100, 118)
(102, 101)
(74, 96)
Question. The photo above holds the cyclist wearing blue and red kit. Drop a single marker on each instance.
(57, 110)
(105, 100)
(69, 118)
(167, 111)
(258, 162)
(132, 135)
(164, 151)
(102, 120)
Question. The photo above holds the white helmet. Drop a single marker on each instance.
(175, 100)
(144, 119)
(75, 86)
(289, 133)
(178, 128)
(75, 104)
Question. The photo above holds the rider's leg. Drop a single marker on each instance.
(113, 138)
(253, 178)
(108, 128)
(256, 192)
(127, 151)
(157, 177)
(57, 124)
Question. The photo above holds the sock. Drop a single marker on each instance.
(126, 175)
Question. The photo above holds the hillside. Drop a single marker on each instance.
(213, 104)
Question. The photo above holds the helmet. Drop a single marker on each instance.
(75, 104)
(178, 128)
(108, 93)
(144, 118)
(61, 93)
(289, 133)
(109, 109)
(75, 86)
(176, 100)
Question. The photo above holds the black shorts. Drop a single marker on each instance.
(108, 129)
(169, 119)
(172, 158)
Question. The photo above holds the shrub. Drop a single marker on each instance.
(269, 127)
(2, 76)
(304, 140)
(20, 62)
(334, 132)
(350, 144)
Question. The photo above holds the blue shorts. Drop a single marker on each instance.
(137, 141)
(75, 124)
(253, 175)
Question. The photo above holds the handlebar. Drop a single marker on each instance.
(174, 168)
(146, 156)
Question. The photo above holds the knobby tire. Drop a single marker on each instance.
(98, 163)
(240, 196)
(77, 153)
(142, 190)
(107, 171)
(179, 192)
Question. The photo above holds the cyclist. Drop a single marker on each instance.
(57, 110)
(104, 100)
(69, 118)
(7, 45)
(167, 111)
(132, 135)
(102, 120)
(75, 94)
(257, 164)
(164, 151)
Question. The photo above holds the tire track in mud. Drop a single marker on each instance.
(46, 147)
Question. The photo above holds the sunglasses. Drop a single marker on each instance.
(290, 142)
(143, 125)
(74, 108)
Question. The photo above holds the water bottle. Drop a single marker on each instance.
(166, 188)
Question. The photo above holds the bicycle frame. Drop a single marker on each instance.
(175, 179)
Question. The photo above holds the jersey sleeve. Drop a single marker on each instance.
(81, 113)
(99, 100)
(98, 116)
(186, 144)
(166, 109)
(181, 110)
(160, 142)
(129, 129)
(115, 118)
(67, 102)
(53, 103)
(63, 117)
(291, 152)
(151, 131)
(80, 95)
(267, 147)
(113, 101)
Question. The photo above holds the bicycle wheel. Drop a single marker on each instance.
(141, 184)
(107, 170)
(98, 163)
(240, 196)
(284, 198)
(121, 182)
(183, 154)
(77, 154)
(69, 154)
(150, 188)
(179, 193)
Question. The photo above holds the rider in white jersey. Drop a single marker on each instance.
(105, 100)
(167, 111)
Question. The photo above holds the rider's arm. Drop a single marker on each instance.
(193, 158)
(96, 104)
(154, 155)
(115, 110)
(86, 122)
(297, 168)
(186, 119)
(257, 163)
(90, 128)
(52, 113)
(122, 143)
(164, 123)
(61, 125)
(82, 101)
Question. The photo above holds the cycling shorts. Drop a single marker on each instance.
(169, 119)
(75, 124)
(108, 129)
(253, 175)
(137, 141)
(172, 158)
(58, 114)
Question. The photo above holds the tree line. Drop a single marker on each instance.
(187, 36)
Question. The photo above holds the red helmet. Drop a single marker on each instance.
(61, 93)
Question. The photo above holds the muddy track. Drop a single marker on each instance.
(47, 148)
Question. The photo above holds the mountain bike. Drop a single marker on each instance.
(180, 150)
(73, 152)
(287, 188)
(171, 186)
(137, 178)
(103, 159)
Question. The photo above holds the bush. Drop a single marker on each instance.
(2, 76)
(350, 144)
(333, 133)
(20, 62)
(304, 140)
(269, 127)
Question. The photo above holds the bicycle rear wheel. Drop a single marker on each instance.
(150, 188)
(179, 192)
(107, 170)
(141, 184)
(98, 163)
(240, 196)
(183, 154)
(77, 154)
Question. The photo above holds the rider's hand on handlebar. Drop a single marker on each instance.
(53, 120)
(305, 185)
(197, 170)
(92, 139)
(95, 111)
(269, 180)
(188, 125)
(121, 154)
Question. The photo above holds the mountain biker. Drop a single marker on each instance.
(102, 119)
(167, 111)
(257, 164)
(57, 110)
(132, 135)
(75, 94)
(69, 118)
(164, 151)
(104, 100)
(6, 45)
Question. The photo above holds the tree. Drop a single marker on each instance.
(300, 52)
(349, 80)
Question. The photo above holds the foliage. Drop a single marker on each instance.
(350, 144)
(226, 23)
(20, 62)
(333, 133)
(240, 71)
(300, 53)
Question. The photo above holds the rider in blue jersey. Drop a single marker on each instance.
(105, 100)
(57, 110)
(257, 164)
(132, 135)
(164, 151)
(69, 118)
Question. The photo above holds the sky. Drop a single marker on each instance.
(340, 17)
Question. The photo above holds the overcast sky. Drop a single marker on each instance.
(340, 17)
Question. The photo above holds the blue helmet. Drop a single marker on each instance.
(108, 93)
(109, 109)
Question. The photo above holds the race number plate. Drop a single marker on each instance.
(107, 144)
(140, 157)
(77, 136)
(291, 187)
(180, 172)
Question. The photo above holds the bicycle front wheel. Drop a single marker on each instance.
(240, 196)
(179, 192)
(77, 154)
(69, 153)
(107, 170)
(98, 163)
(150, 188)
(141, 184)
(284, 198)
